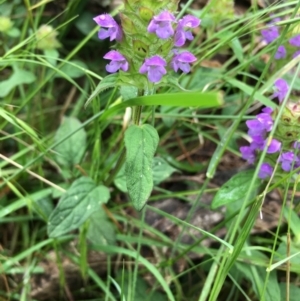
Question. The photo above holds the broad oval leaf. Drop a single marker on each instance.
(70, 152)
(101, 230)
(81, 200)
(234, 189)
(141, 143)
(161, 170)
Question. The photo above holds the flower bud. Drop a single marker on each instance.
(46, 38)
(5, 24)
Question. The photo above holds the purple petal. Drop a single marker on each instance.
(114, 31)
(113, 67)
(105, 20)
(186, 68)
(270, 34)
(161, 25)
(281, 53)
(155, 67)
(179, 38)
(265, 171)
(296, 54)
(155, 74)
(267, 110)
(103, 34)
(189, 21)
(118, 61)
(164, 31)
(248, 154)
(295, 41)
(114, 55)
(156, 61)
(164, 16)
(287, 159)
(274, 146)
(282, 89)
(152, 26)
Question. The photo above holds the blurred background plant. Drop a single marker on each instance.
(211, 230)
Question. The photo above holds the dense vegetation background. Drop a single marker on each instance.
(211, 230)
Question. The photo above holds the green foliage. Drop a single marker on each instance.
(18, 77)
(141, 143)
(234, 189)
(70, 151)
(80, 201)
(60, 158)
(101, 231)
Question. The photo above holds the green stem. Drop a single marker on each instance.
(137, 111)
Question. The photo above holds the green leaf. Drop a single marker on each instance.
(142, 290)
(249, 91)
(128, 92)
(234, 189)
(107, 82)
(294, 291)
(237, 49)
(101, 231)
(70, 152)
(81, 200)
(141, 143)
(72, 69)
(161, 170)
(19, 77)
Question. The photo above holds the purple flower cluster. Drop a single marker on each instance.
(258, 130)
(271, 33)
(163, 27)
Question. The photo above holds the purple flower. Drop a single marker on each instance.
(296, 145)
(248, 153)
(265, 171)
(182, 32)
(258, 142)
(113, 29)
(295, 41)
(155, 67)
(287, 160)
(274, 146)
(259, 126)
(267, 110)
(162, 25)
(296, 54)
(270, 34)
(282, 88)
(118, 61)
(281, 53)
(182, 61)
